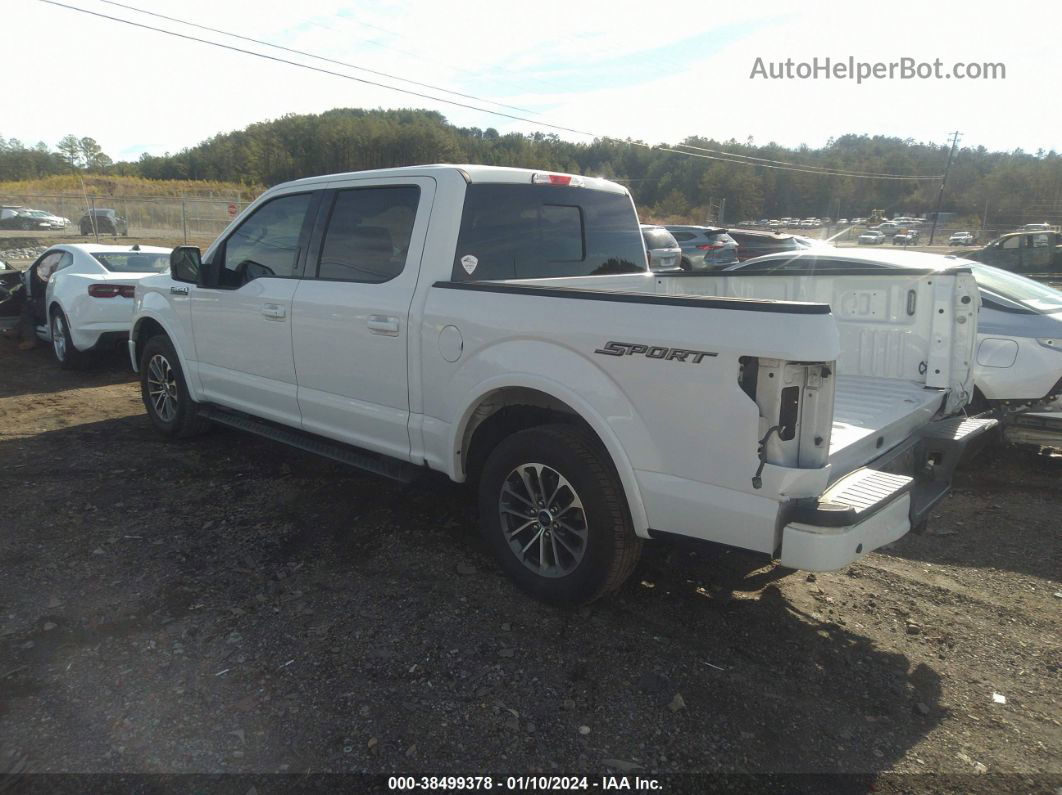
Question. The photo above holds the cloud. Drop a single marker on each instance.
(658, 73)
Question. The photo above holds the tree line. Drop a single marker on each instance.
(1009, 187)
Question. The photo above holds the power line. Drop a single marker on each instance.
(309, 55)
(354, 78)
(834, 171)
(796, 168)
(312, 68)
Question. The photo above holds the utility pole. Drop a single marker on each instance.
(943, 182)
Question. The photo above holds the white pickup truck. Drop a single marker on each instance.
(502, 326)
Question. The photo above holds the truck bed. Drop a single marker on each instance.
(867, 408)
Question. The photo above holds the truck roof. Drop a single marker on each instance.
(471, 173)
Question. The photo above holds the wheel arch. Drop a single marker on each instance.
(501, 410)
(149, 324)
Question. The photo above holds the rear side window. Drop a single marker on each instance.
(120, 262)
(368, 234)
(540, 231)
(658, 238)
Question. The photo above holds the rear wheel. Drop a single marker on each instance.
(67, 356)
(554, 513)
(165, 392)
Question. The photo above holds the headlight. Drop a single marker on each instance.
(1051, 342)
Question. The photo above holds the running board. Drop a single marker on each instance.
(352, 456)
(1043, 429)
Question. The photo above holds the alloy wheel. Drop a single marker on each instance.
(162, 388)
(543, 520)
(59, 337)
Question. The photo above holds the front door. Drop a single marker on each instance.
(350, 318)
(1036, 253)
(241, 319)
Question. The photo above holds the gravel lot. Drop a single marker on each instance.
(227, 604)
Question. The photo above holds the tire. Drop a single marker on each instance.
(66, 355)
(165, 392)
(597, 548)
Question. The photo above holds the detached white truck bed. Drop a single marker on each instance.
(502, 326)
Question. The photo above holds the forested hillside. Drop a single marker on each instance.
(1014, 187)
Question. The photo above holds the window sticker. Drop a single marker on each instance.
(469, 263)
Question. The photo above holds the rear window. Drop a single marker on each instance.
(659, 238)
(721, 237)
(133, 262)
(539, 231)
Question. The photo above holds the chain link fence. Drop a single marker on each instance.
(177, 219)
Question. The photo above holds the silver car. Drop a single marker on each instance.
(664, 252)
(705, 247)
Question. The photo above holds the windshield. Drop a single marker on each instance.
(133, 262)
(1010, 289)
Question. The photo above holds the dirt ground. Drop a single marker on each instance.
(227, 604)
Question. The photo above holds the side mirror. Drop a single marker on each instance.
(185, 264)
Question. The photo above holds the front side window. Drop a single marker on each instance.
(539, 231)
(368, 234)
(266, 243)
(1011, 242)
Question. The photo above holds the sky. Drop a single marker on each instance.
(655, 72)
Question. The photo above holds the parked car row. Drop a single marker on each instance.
(102, 220)
(706, 248)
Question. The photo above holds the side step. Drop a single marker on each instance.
(853, 498)
(345, 454)
(942, 444)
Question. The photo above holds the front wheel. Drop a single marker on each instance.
(553, 511)
(165, 392)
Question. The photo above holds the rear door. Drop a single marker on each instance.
(241, 321)
(350, 319)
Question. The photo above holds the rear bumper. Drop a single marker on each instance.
(878, 504)
(828, 548)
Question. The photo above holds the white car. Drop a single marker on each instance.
(961, 239)
(871, 238)
(86, 303)
(52, 221)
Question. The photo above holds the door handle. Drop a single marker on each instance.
(382, 324)
(274, 311)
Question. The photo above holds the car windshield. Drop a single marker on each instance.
(1011, 289)
(133, 261)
